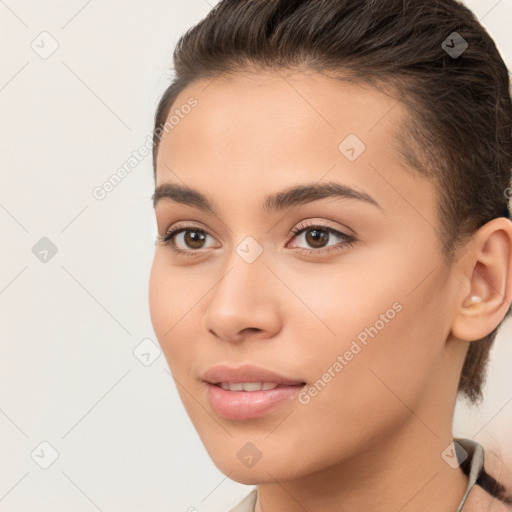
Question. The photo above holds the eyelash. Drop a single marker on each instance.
(348, 240)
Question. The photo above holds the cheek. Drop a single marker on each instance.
(170, 304)
(383, 346)
(160, 299)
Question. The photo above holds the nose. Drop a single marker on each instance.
(243, 303)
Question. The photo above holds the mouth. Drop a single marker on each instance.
(247, 386)
(248, 392)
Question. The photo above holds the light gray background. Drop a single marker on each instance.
(69, 326)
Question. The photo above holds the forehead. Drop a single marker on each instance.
(248, 112)
(253, 132)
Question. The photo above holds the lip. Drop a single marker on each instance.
(244, 405)
(245, 373)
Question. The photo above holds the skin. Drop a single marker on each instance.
(382, 422)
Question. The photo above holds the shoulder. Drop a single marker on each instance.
(480, 500)
(482, 472)
(248, 504)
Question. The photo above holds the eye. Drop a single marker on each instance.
(190, 237)
(318, 236)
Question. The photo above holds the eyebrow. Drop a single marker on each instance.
(288, 198)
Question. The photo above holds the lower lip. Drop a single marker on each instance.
(245, 405)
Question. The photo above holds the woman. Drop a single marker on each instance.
(334, 252)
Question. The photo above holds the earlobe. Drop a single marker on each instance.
(487, 270)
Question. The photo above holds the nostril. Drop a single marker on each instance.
(251, 329)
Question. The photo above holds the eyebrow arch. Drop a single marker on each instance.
(288, 198)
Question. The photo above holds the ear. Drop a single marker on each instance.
(486, 273)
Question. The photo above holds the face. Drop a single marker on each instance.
(312, 293)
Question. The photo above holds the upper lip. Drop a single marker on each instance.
(245, 373)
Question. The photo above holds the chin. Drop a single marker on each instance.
(239, 466)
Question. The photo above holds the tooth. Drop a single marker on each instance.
(252, 386)
(247, 386)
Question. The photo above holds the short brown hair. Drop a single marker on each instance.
(459, 129)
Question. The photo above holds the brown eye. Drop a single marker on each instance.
(185, 240)
(317, 237)
(194, 239)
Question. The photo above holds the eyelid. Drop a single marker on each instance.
(313, 223)
(185, 226)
